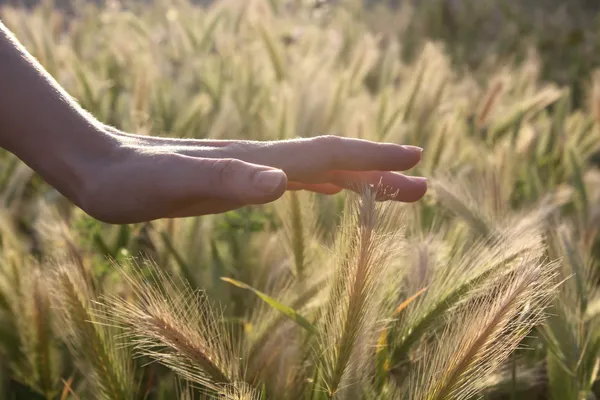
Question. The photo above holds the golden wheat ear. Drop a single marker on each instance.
(349, 326)
(169, 322)
(484, 332)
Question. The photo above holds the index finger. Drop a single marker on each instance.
(307, 156)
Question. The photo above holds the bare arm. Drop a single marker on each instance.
(42, 125)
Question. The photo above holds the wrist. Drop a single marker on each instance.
(72, 166)
(44, 127)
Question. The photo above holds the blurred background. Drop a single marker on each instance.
(565, 33)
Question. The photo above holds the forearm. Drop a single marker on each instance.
(42, 125)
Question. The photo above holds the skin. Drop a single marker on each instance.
(118, 177)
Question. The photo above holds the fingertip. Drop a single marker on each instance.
(409, 190)
(394, 157)
(270, 180)
(417, 190)
(414, 150)
(419, 180)
(412, 155)
(269, 184)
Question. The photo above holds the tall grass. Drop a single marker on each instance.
(486, 287)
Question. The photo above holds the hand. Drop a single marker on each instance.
(121, 178)
(147, 178)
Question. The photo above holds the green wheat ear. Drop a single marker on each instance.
(94, 345)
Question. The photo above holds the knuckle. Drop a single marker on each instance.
(330, 148)
(228, 169)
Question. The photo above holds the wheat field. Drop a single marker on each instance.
(485, 288)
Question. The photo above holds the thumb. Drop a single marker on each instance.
(247, 183)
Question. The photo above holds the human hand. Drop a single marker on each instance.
(149, 178)
(121, 178)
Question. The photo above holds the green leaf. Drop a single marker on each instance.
(208, 34)
(287, 311)
(101, 245)
(122, 239)
(576, 264)
(184, 267)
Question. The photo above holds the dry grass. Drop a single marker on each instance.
(488, 286)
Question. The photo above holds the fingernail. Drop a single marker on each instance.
(414, 148)
(419, 179)
(268, 181)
